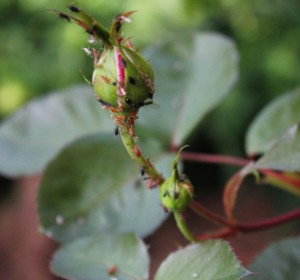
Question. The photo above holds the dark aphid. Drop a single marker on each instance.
(165, 193)
(74, 9)
(176, 195)
(89, 31)
(142, 170)
(124, 63)
(97, 30)
(103, 102)
(114, 83)
(128, 101)
(64, 16)
(118, 26)
(116, 131)
(132, 81)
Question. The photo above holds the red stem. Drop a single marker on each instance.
(216, 159)
(209, 215)
(271, 222)
(235, 227)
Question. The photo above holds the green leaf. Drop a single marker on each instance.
(209, 260)
(93, 258)
(92, 186)
(31, 137)
(284, 155)
(273, 121)
(280, 261)
(193, 74)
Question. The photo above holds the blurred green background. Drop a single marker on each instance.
(40, 53)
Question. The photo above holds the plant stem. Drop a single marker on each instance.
(136, 155)
(209, 215)
(232, 228)
(216, 159)
(271, 222)
(183, 228)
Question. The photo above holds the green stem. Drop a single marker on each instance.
(183, 228)
(136, 155)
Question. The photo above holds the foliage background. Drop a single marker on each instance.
(39, 53)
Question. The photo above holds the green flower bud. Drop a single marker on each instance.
(122, 78)
(177, 191)
(176, 195)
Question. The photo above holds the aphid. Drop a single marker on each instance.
(142, 171)
(131, 131)
(176, 195)
(128, 101)
(124, 62)
(116, 131)
(151, 184)
(64, 16)
(137, 151)
(118, 26)
(74, 9)
(132, 80)
(97, 29)
(103, 102)
(112, 270)
(165, 193)
(105, 79)
(150, 104)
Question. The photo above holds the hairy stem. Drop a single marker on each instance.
(131, 144)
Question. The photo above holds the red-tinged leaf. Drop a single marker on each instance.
(287, 181)
(232, 187)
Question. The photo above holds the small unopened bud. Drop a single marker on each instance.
(177, 191)
(122, 78)
(176, 195)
